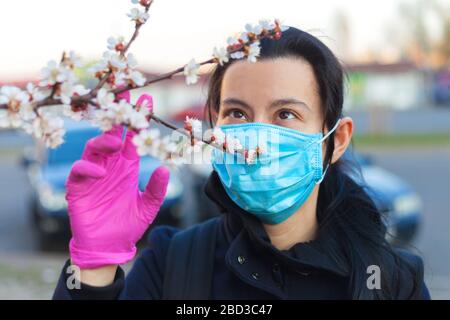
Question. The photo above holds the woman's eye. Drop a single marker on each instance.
(286, 115)
(237, 114)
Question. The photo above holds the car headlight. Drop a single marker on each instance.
(407, 204)
(50, 199)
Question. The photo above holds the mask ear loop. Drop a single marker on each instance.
(322, 140)
(330, 132)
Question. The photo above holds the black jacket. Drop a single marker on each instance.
(246, 265)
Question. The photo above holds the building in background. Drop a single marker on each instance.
(398, 86)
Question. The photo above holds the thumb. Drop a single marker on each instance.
(155, 191)
(145, 100)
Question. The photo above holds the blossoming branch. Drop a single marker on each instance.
(116, 73)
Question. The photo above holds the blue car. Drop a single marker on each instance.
(48, 170)
(400, 204)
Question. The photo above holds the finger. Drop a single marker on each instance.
(145, 100)
(155, 191)
(84, 170)
(105, 145)
(129, 150)
(116, 131)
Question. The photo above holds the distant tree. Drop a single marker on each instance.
(426, 25)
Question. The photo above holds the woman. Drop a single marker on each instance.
(307, 232)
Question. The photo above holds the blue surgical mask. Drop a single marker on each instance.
(283, 176)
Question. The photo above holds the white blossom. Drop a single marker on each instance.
(231, 41)
(147, 142)
(138, 118)
(50, 129)
(252, 155)
(101, 66)
(221, 55)
(233, 145)
(192, 125)
(266, 24)
(10, 119)
(254, 51)
(114, 60)
(131, 61)
(237, 55)
(191, 71)
(256, 29)
(216, 136)
(14, 97)
(112, 113)
(104, 98)
(123, 111)
(192, 148)
(116, 43)
(104, 119)
(72, 60)
(244, 37)
(168, 145)
(54, 73)
(79, 115)
(68, 90)
(27, 112)
(18, 109)
(138, 15)
(137, 78)
(120, 78)
(35, 93)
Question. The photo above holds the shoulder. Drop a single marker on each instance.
(158, 241)
(409, 276)
(145, 279)
(160, 236)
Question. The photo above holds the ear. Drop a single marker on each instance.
(342, 138)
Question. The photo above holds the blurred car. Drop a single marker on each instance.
(48, 170)
(399, 203)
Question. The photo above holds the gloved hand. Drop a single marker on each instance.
(108, 214)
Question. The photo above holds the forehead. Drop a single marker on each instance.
(270, 79)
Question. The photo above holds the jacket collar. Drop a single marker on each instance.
(303, 257)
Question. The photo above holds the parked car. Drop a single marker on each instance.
(395, 198)
(48, 170)
(400, 205)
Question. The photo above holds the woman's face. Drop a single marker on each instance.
(281, 91)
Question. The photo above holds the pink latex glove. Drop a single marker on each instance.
(108, 214)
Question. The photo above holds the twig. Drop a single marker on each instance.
(138, 26)
(51, 101)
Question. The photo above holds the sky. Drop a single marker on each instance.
(35, 31)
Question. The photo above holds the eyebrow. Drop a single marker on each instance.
(273, 104)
